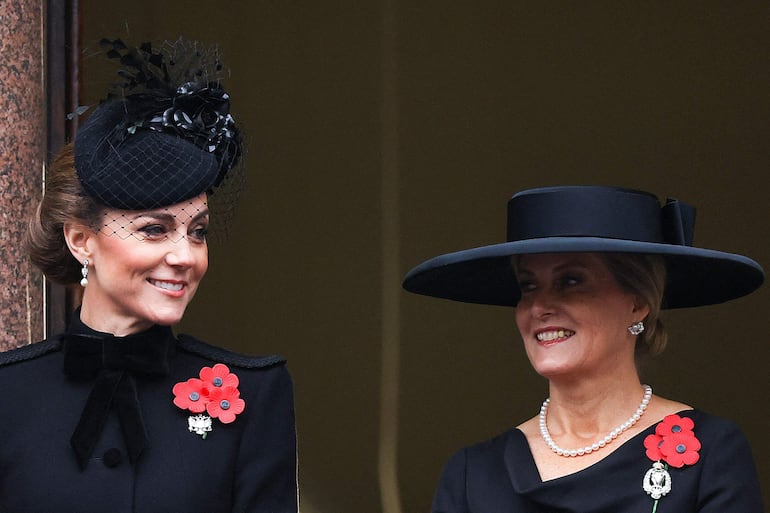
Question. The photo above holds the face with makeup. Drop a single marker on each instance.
(573, 315)
(144, 266)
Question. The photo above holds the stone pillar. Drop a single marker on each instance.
(22, 157)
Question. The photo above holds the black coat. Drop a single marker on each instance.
(248, 465)
(500, 476)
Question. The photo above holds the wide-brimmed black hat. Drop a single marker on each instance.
(573, 219)
(164, 135)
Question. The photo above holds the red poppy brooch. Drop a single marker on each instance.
(214, 394)
(673, 444)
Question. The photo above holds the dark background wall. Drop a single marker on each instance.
(383, 133)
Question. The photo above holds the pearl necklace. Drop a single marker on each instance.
(601, 443)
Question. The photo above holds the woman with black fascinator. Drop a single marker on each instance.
(588, 270)
(119, 413)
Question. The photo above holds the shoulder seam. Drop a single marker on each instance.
(193, 345)
(30, 351)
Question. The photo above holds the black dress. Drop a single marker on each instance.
(500, 476)
(111, 399)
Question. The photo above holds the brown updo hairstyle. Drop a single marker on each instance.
(644, 276)
(64, 201)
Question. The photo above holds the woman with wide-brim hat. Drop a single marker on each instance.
(120, 414)
(588, 269)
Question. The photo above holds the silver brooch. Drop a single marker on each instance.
(657, 481)
(199, 424)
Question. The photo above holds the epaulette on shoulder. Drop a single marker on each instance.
(217, 354)
(30, 351)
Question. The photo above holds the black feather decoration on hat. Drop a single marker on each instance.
(164, 133)
(175, 89)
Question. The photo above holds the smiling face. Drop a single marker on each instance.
(145, 266)
(574, 316)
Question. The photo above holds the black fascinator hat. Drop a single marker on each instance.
(573, 219)
(164, 134)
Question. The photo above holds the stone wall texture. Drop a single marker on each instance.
(22, 157)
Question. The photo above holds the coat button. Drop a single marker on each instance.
(112, 457)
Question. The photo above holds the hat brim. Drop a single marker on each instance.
(695, 276)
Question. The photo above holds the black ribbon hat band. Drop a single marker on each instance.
(590, 219)
(601, 212)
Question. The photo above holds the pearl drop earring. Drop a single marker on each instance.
(84, 272)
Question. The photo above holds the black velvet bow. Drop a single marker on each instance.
(113, 362)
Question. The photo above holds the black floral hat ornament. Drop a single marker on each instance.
(572, 219)
(164, 134)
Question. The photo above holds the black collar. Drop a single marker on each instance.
(87, 352)
(113, 362)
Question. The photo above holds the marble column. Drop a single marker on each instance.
(22, 157)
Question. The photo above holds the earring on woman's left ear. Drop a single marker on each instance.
(636, 329)
(84, 272)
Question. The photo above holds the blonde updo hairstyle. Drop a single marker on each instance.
(64, 201)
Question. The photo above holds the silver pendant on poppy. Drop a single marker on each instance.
(199, 424)
(657, 481)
